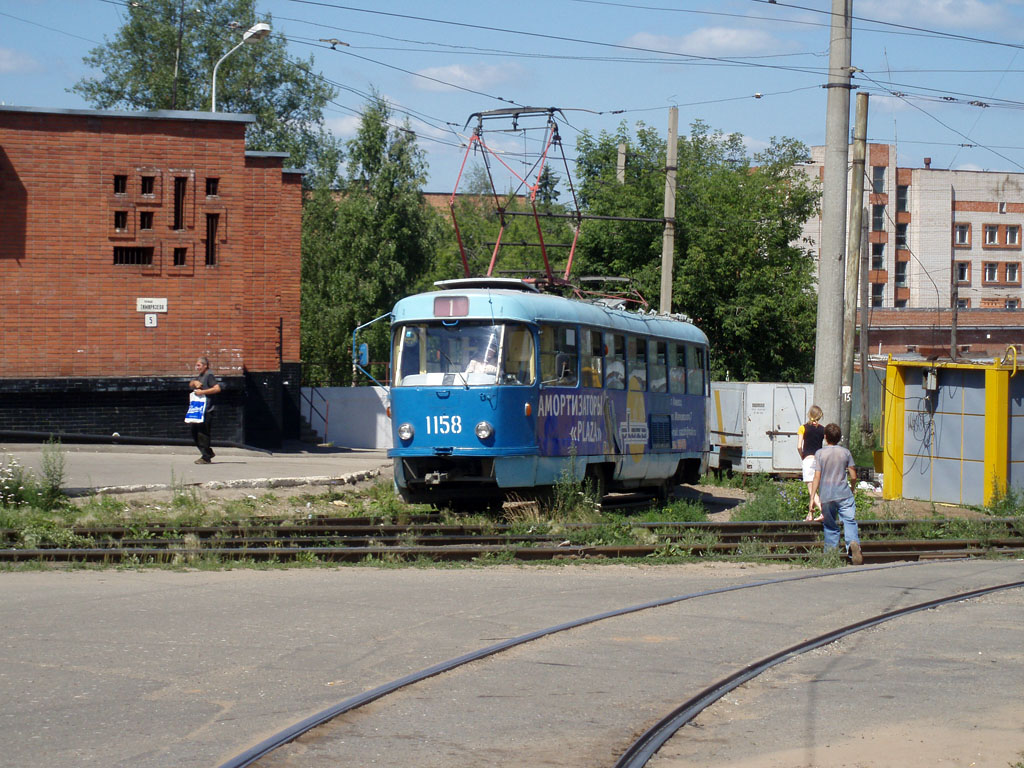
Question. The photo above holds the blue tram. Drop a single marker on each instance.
(498, 388)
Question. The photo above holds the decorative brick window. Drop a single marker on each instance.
(120, 184)
(180, 193)
(180, 257)
(147, 185)
(145, 220)
(212, 225)
(133, 256)
(121, 221)
(212, 187)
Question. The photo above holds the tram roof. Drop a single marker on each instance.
(496, 300)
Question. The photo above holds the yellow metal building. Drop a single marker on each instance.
(954, 432)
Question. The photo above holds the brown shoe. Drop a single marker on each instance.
(202, 460)
(856, 556)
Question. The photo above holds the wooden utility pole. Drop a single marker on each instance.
(668, 241)
(853, 258)
(829, 339)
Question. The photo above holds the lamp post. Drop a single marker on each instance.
(256, 32)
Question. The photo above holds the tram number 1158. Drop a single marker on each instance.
(444, 425)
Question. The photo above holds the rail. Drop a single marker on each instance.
(314, 393)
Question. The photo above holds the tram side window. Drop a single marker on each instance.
(658, 365)
(677, 369)
(615, 361)
(694, 371)
(591, 352)
(519, 365)
(636, 357)
(559, 356)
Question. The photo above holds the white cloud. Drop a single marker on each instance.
(12, 62)
(711, 41)
(479, 78)
(955, 14)
(754, 146)
(343, 126)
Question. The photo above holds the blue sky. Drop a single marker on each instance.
(442, 61)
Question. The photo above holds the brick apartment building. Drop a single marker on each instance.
(130, 244)
(921, 227)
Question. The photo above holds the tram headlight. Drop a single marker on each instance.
(405, 431)
(484, 430)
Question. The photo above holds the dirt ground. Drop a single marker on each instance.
(720, 501)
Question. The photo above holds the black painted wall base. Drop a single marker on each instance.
(251, 408)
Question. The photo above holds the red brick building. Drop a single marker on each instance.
(130, 244)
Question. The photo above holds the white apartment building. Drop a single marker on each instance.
(922, 225)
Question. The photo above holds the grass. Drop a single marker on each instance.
(39, 514)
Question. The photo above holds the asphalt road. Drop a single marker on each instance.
(156, 668)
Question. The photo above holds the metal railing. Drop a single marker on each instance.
(311, 400)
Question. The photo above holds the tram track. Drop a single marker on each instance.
(353, 540)
(338, 742)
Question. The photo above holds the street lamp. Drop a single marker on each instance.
(256, 32)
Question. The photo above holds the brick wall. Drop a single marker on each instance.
(78, 184)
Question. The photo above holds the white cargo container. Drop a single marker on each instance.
(754, 426)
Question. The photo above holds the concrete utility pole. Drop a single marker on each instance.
(829, 340)
(620, 165)
(954, 281)
(668, 241)
(853, 259)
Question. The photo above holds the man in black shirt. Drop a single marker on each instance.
(206, 384)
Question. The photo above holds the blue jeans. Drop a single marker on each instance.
(845, 510)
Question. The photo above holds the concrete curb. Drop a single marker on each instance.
(261, 482)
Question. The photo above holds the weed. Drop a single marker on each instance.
(750, 483)
(755, 549)
(187, 499)
(696, 538)
(505, 556)
(1008, 504)
(669, 551)
(676, 511)
(573, 500)
(385, 502)
(829, 558)
(52, 491)
(48, 533)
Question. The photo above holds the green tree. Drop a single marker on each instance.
(163, 58)
(479, 224)
(365, 247)
(740, 271)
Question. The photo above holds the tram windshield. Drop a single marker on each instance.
(463, 353)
